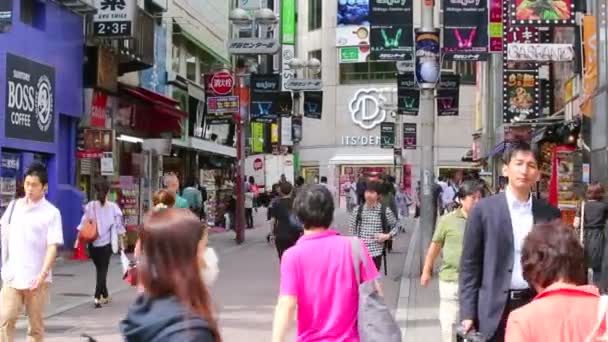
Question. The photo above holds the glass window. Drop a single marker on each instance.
(318, 55)
(175, 56)
(315, 15)
(467, 71)
(351, 73)
(191, 61)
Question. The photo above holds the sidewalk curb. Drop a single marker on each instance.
(410, 273)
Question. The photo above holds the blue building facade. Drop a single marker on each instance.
(41, 101)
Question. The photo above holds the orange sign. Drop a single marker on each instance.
(590, 65)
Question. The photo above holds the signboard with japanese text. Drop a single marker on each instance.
(114, 18)
(448, 93)
(387, 135)
(540, 52)
(409, 136)
(313, 104)
(30, 100)
(521, 95)
(496, 26)
(408, 95)
(223, 104)
(264, 94)
(465, 28)
(287, 72)
(391, 30)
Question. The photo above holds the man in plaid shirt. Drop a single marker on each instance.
(369, 227)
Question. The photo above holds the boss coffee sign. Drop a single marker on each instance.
(30, 100)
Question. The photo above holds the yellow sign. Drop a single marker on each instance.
(590, 65)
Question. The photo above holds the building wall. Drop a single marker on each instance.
(59, 44)
(322, 139)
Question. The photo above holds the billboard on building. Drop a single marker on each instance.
(542, 13)
(353, 23)
(521, 95)
(465, 30)
(448, 93)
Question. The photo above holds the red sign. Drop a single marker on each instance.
(221, 83)
(99, 105)
(258, 164)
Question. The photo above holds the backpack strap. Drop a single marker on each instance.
(383, 218)
(358, 219)
(188, 324)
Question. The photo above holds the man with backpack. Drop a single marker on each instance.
(374, 223)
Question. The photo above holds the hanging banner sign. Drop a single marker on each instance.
(465, 27)
(257, 137)
(284, 104)
(389, 12)
(387, 135)
(427, 59)
(542, 13)
(521, 95)
(264, 94)
(286, 132)
(590, 74)
(448, 93)
(496, 26)
(391, 42)
(408, 95)
(313, 104)
(6, 15)
(540, 52)
(409, 136)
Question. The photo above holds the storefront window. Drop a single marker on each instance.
(175, 57)
(191, 61)
(351, 73)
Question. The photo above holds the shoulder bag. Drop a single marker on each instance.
(5, 238)
(89, 232)
(375, 321)
(581, 237)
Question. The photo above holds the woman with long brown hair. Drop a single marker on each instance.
(175, 304)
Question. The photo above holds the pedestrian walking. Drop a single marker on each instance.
(447, 240)
(110, 229)
(171, 183)
(491, 282)
(565, 308)
(361, 187)
(591, 227)
(286, 229)
(192, 194)
(249, 198)
(31, 233)
(318, 276)
(374, 223)
(175, 304)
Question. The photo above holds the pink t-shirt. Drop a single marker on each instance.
(319, 272)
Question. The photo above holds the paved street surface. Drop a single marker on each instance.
(245, 293)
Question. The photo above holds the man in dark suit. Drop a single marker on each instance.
(491, 283)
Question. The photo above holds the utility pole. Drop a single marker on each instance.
(428, 209)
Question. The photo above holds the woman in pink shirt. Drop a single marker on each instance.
(318, 276)
(565, 309)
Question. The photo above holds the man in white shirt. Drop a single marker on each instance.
(31, 232)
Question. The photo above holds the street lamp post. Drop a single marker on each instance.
(261, 24)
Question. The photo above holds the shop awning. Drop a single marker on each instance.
(154, 113)
(380, 159)
(205, 146)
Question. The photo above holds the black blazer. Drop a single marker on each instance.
(487, 260)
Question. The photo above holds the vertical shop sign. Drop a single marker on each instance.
(590, 65)
(288, 21)
(257, 137)
(390, 39)
(284, 104)
(465, 35)
(408, 95)
(264, 95)
(296, 129)
(114, 18)
(6, 15)
(387, 135)
(30, 100)
(313, 104)
(287, 72)
(99, 107)
(427, 63)
(286, 132)
(409, 136)
(542, 13)
(521, 95)
(496, 26)
(448, 93)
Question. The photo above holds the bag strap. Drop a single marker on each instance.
(10, 217)
(582, 224)
(356, 256)
(358, 219)
(601, 317)
(383, 218)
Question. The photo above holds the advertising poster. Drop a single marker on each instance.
(264, 95)
(257, 137)
(448, 93)
(383, 12)
(313, 104)
(30, 100)
(408, 95)
(387, 135)
(427, 58)
(353, 22)
(566, 194)
(465, 31)
(521, 95)
(6, 15)
(409, 136)
(211, 118)
(543, 12)
(590, 76)
(391, 42)
(354, 54)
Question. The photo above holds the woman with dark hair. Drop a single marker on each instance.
(591, 219)
(175, 304)
(318, 276)
(565, 309)
(285, 229)
(108, 218)
(447, 240)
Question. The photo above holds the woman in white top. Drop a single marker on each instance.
(108, 217)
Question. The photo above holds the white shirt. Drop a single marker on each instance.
(448, 195)
(107, 217)
(522, 221)
(249, 200)
(25, 241)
